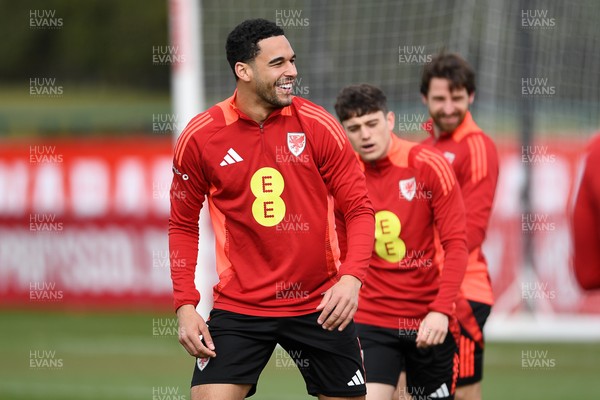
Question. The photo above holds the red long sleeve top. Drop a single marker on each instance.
(586, 222)
(414, 191)
(474, 158)
(270, 189)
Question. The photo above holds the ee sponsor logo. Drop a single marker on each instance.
(388, 244)
(267, 186)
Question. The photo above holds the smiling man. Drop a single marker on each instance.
(448, 89)
(279, 283)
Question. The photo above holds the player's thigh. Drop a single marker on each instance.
(323, 397)
(220, 391)
(243, 345)
(432, 371)
(379, 391)
(401, 392)
(468, 392)
(382, 354)
(330, 361)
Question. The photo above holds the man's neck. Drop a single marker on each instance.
(438, 133)
(251, 105)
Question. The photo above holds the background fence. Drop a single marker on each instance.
(86, 131)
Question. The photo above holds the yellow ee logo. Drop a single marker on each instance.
(388, 244)
(267, 185)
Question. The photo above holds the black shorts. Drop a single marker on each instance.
(329, 361)
(428, 371)
(470, 344)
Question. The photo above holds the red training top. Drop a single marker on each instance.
(474, 158)
(413, 190)
(586, 222)
(270, 190)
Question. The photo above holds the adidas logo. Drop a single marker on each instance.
(357, 379)
(442, 392)
(231, 158)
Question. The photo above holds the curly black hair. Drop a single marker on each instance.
(358, 100)
(242, 42)
(450, 66)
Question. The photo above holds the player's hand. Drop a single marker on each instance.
(191, 326)
(339, 303)
(433, 330)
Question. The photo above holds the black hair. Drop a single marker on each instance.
(358, 100)
(449, 66)
(242, 41)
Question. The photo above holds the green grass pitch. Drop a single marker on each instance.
(58, 355)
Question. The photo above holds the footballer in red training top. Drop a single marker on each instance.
(270, 165)
(406, 307)
(447, 89)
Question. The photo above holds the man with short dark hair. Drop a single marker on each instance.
(406, 308)
(448, 89)
(271, 166)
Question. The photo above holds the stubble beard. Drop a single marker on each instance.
(448, 128)
(268, 93)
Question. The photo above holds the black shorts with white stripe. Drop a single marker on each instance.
(431, 372)
(329, 361)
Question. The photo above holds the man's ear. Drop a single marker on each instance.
(243, 71)
(391, 120)
(424, 99)
(471, 98)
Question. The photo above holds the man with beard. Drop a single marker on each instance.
(448, 89)
(276, 285)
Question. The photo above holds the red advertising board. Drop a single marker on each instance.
(83, 223)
